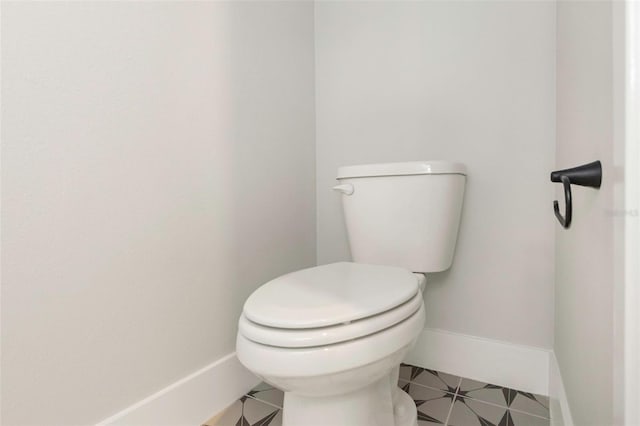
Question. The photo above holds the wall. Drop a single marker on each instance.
(585, 254)
(157, 166)
(464, 81)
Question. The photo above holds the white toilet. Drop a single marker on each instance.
(332, 337)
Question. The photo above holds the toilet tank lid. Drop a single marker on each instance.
(402, 169)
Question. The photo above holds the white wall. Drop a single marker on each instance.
(157, 166)
(585, 254)
(466, 81)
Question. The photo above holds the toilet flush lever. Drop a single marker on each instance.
(345, 188)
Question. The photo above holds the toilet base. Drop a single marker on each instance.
(405, 412)
(379, 404)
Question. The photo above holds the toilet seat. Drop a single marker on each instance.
(320, 336)
(329, 304)
(329, 295)
(318, 361)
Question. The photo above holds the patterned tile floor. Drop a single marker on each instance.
(442, 399)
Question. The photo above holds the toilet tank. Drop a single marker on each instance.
(403, 214)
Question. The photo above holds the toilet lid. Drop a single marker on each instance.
(322, 336)
(329, 294)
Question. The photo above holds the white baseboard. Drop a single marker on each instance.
(519, 367)
(191, 400)
(560, 411)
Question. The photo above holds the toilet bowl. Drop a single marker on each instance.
(332, 337)
(336, 362)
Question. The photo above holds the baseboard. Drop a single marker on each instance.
(560, 411)
(519, 367)
(191, 400)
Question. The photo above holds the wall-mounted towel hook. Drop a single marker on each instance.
(566, 220)
(586, 175)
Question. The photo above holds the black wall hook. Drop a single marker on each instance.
(586, 175)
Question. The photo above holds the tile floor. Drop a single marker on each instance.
(442, 399)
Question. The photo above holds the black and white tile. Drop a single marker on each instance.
(441, 399)
(267, 393)
(433, 404)
(251, 411)
(471, 412)
(429, 378)
(512, 399)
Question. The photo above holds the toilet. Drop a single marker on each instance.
(332, 337)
